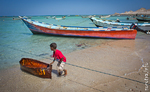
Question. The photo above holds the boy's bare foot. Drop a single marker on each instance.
(59, 74)
(65, 71)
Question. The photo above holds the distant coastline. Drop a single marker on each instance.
(141, 11)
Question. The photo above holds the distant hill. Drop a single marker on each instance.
(140, 11)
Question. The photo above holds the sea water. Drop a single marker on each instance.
(17, 41)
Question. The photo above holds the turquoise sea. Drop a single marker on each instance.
(17, 41)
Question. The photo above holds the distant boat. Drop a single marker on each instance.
(144, 19)
(105, 16)
(59, 18)
(110, 23)
(16, 18)
(36, 67)
(86, 16)
(53, 17)
(48, 17)
(77, 31)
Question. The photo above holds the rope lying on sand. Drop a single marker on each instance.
(106, 73)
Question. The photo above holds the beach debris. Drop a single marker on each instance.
(105, 85)
(44, 54)
(83, 45)
(131, 89)
(78, 45)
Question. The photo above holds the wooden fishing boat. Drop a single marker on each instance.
(110, 23)
(97, 32)
(36, 67)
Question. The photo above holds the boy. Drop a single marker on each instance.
(58, 56)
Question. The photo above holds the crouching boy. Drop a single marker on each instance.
(58, 56)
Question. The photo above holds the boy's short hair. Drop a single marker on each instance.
(54, 45)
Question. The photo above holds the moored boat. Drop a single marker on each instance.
(96, 32)
(36, 67)
(110, 23)
(144, 19)
(105, 16)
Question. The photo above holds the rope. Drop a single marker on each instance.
(37, 55)
(106, 73)
(81, 22)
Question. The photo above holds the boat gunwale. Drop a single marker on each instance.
(36, 61)
(77, 28)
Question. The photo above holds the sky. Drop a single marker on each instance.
(69, 7)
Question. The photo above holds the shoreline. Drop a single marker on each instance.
(115, 65)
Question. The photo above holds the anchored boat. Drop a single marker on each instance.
(105, 16)
(145, 19)
(77, 31)
(111, 23)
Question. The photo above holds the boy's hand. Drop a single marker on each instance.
(51, 63)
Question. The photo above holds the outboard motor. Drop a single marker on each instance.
(133, 26)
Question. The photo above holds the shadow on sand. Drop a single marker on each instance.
(54, 71)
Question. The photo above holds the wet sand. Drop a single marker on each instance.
(114, 66)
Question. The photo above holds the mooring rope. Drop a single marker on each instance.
(106, 73)
(37, 55)
(81, 22)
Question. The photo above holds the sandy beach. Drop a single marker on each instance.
(113, 66)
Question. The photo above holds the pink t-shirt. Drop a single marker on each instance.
(59, 55)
